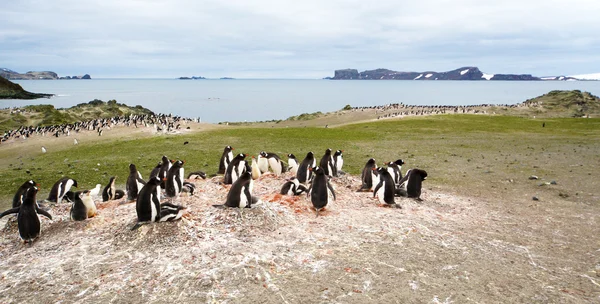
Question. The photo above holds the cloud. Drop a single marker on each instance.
(307, 39)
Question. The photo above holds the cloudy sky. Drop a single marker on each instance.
(297, 39)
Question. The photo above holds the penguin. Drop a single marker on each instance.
(225, 159)
(321, 192)
(44, 149)
(188, 188)
(394, 170)
(28, 220)
(75, 141)
(399, 162)
(164, 168)
(88, 201)
(386, 188)
(236, 167)
(60, 188)
(292, 164)
(411, 183)
(240, 194)
(367, 175)
(18, 198)
(304, 174)
(175, 180)
(109, 191)
(263, 163)
(147, 204)
(96, 191)
(155, 171)
(170, 212)
(327, 165)
(83, 206)
(254, 168)
(338, 161)
(135, 182)
(275, 163)
(292, 187)
(119, 194)
(197, 175)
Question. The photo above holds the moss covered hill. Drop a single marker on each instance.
(11, 90)
(46, 115)
(565, 104)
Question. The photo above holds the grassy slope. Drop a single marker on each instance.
(467, 153)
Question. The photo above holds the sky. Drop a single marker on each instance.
(297, 39)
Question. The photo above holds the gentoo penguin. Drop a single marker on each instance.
(321, 192)
(18, 198)
(254, 168)
(60, 188)
(304, 174)
(394, 170)
(240, 194)
(188, 188)
(338, 161)
(156, 170)
(386, 188)
(170, 212)
(263, 163)
(44, 149)
(411, 183)
(175, 180)
(293, 187)
(149, 208)
(327, 165)
(197, 175)
(292, 164)
(164, 168)
(399, 162)
(28, 220)
(135, 182)
(367, 175)
(109, 191)
(236, 167)
(83, 206)
(275, 163)
(225, 159)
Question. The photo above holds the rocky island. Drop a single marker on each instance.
(33, 75)
(11, 90)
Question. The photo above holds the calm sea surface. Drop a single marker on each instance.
(256, 100)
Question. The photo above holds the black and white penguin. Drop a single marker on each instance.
(367, 175)
(394, 170)
(275, 163)
(110, 190)
(83, 206)
(197, 175)
(156, 170)
(304, 174)
(170, 212)
(60, 188)
(292, 164)
(236, 167)
(28, 220)
(147, 205)
(225, 159)
(263, 163)
(188, 188)
(175, 180)
(321, 192)
(338, 161)
(412, 182)
(135, 182)
(18, 198)
(327, 165)
(164, 168)
(293, 187)
(386, 188)
(240, 194)
(399, 163)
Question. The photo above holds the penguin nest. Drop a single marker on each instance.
(210, 254)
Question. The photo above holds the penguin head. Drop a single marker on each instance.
(74, 183)
(317, 170)
(291, 155)
(165, 159)
(328, 151)
(155, 180)
(371, 161)
(132, 168)
(399, 162)
(310, 155)
(263, 153)
(227, 149)
(338, 153)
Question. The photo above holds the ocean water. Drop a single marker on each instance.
(258, 100)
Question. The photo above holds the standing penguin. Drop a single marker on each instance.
(96, 191)
(110, 190)
(292, 164)
(338, 161)
(394, 170)
(399, 163)
(367, 175)
(28, 220)
(327, 164)
(164, 168)
(321, 192)
(175, 180)
(304, 174)
(147, 205)
(18, 198)
(83, 206)
(386, 188)
(275, 163)
(235, 169)
(411, 183)
(225, 159)
(254, 168)
(60, 188)
(263, 163)
(292, 187)
(240, 194)
(156, 170)
(135, 182)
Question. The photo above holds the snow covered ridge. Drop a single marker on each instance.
(463, 73)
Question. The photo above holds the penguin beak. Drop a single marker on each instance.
(165, 179)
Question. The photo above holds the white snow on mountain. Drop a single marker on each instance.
(464, 71)
(420, 75)
(428, 75)
(487, 76)
(594, 76)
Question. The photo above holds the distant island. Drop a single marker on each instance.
(11, 90)
(463, 73)
(193, 77)
(32, 75)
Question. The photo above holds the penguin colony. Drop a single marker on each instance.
(156, 198)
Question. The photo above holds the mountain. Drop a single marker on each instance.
(595, 76)
(32, 75)
(463, 73)
(11, 90)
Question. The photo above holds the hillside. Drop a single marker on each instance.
(11, 90)
(565, 103)
(36, 75)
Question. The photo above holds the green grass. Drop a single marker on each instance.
(447, 146)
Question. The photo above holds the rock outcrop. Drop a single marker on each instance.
(33, 75)
(11, 90)
(463, 73)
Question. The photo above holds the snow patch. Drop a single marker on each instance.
(548, 78)
(428, 75)
(420, 75)
(594, 76)
(464, 71)
(487, 76)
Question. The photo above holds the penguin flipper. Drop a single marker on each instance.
(331, 189)
(43, 212)
(138, 225)
(10, 211)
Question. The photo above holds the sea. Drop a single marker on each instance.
(248, 100)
